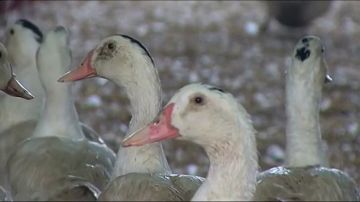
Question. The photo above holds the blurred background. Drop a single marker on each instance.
(238, 46)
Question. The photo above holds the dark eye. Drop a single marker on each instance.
(0, 54)
(12, 31)
(111, 46)
(322, 50)
(199, 100)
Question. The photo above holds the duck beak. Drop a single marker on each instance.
(85, 70)
(15, 88)
(328, 78)
(161, 129)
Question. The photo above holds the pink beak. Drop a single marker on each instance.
(85, 70)
(155, 131)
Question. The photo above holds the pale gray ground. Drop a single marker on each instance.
(216, 43)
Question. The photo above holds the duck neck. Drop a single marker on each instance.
(303, 135)
(59, 117)
(145, 99)
(28, 75)
(233, 169)
(17, 110)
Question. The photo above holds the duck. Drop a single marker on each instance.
(22, 41)
(211, 118)
(304, 177)
(11, 86)
(125, 61)
(58, 162)
(19, 117)
(8, 82)
(295, 14)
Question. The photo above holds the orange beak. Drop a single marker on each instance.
(85, 70)
(155, 131)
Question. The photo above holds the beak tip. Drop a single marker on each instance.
(27, 95)
(61, 80)
(328, 79)
(131, 141)
(30, 97)
(125, 144)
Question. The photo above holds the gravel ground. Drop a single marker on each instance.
(217, 43)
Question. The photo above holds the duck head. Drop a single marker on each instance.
(53, 57)
(115, 57)
(197, 113)
(8, 83)
(22, 41)
(308, 60)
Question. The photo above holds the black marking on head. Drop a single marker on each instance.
(216, 89)
(140, 45)
(0, 54)
(305, 40)
(60, 29)
(302, 53)
(111, 46)
(29, 25)
(108, 50)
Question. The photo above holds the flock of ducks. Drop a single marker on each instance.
(46, 153)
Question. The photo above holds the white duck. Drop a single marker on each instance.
(22, 41)
(303, 177)
(58, 162)
(19, 118)
(12, 87)
(126, 62)
(213, 119)
(8, 83)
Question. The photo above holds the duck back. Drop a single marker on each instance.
(42, 168)
(20, 132)
(312, 183)
(141, 187)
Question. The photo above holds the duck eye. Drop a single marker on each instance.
(198, 100)
(111, 46)
(12, 31)
(0, 54)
